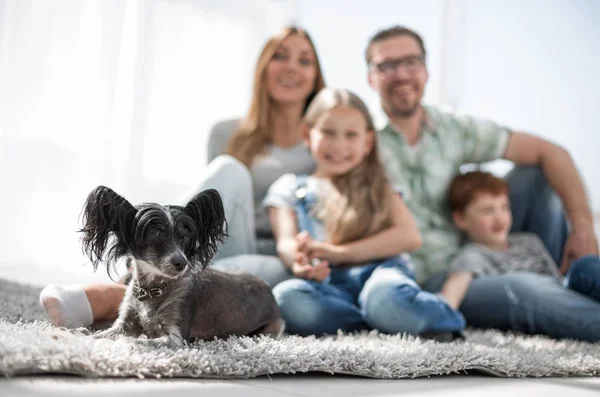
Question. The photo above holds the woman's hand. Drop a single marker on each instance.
(319, 250)
(302, 268)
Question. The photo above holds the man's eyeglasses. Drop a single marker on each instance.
(410, 64)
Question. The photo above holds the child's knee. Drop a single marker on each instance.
(587, 267)
(390, 309)
(394, 318)
(299, 307)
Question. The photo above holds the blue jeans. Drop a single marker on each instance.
(536, 208)
(584, 277)
(532, 303)
(536, 304)
(382, 295)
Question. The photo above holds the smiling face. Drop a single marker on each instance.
(292, 72)
(339, 140)
(398, 73)
(486, 219)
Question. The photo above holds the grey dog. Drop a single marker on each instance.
(173, 296)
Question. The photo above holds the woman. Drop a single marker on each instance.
(246, 157)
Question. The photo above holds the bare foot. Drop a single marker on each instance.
(105, 300)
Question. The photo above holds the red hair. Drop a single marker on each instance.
(464, 188)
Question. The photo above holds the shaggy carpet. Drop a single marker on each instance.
(30, 345)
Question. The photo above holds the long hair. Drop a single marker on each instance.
(255, 131)
(358, 203)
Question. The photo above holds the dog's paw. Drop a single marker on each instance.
(84, 331)
(275, 329)
(170, 341)
(61, 333)
(108, 334)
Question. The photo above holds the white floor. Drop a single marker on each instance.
(313, 385)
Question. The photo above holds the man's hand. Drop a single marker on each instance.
(318, 250)
(562, 175)
(581, 242)
(303, 269)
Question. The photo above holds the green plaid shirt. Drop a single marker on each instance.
(423, 173)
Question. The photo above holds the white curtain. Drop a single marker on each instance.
(114, 92)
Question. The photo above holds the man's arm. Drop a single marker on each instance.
(559, 169)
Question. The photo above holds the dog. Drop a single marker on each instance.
(173, 296)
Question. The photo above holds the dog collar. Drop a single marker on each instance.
(143, 294)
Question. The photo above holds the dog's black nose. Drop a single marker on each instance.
(179, 262)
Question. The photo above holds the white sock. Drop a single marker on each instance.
(67, 306)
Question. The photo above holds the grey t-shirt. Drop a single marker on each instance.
(526, 252)
(265, 170)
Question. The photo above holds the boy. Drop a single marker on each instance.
(480, 208)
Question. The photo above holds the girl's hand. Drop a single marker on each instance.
(319, 250)
(303, 269)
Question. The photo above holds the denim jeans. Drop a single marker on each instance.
(536, 208)
(536, 304)
(532, 303)
(584, 277)
(382, 295)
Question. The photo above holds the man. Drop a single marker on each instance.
(423, 148)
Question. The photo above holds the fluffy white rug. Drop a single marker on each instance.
(30, 345)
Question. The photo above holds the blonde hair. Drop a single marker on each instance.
(255, 131)
(358, 203)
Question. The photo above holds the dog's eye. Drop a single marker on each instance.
(185, 237)
(156, 233)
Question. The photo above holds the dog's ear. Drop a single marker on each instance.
(106, 214)
(206, 209)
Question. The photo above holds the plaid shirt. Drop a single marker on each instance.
(423, 173)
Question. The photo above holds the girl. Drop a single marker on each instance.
(246, 156)
(347, 259)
